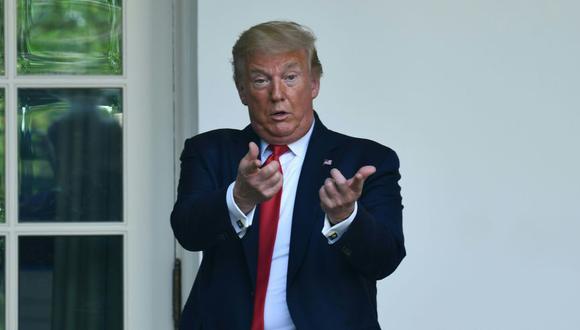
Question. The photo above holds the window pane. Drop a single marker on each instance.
(70, 155)
(70, 282)
(2, 285)
(2, 160)
(70, 37)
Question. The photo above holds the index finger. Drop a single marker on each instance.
(337, 176)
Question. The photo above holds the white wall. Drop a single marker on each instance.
(481, 99)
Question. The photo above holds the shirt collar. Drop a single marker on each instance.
(297, 147)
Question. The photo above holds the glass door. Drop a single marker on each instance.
(86, 164)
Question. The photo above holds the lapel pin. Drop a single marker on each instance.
(327, 162)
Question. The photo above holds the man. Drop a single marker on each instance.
(296, 222)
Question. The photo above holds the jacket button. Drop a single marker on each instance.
(347, 252)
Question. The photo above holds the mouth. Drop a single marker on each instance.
(279, 115)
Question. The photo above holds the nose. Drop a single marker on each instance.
(277, 91)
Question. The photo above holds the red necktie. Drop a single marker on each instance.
(269, 214)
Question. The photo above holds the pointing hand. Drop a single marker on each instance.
(254, 184)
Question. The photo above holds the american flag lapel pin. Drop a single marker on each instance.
(327, 162)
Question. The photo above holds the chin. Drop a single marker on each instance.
(282, 133)
(282, 129)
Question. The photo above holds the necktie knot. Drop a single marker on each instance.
(278, 150)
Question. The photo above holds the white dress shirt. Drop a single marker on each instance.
(276, 314)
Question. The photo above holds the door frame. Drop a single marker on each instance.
(149, 102)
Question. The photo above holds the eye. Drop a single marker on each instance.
(291, 77)
(260, 81)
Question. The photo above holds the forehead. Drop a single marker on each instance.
(263, 61)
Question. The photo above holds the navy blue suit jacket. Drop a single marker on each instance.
(328, 286)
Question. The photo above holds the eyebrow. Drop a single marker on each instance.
(291, 65)
(287, 66)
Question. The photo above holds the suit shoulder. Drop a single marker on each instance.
(214, 137)
(353, 144)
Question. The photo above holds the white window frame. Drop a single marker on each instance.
(147, 85)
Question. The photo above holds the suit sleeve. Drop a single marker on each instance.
(374, 242)
(200, 217)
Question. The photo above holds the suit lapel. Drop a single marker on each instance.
(308, 215)
(250, 240)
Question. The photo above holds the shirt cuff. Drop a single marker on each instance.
(240, 221)
(334, 233)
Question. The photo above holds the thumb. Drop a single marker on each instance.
(357, 181)
(253, 151)
(250, 162)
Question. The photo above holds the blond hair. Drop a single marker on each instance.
(274, 37)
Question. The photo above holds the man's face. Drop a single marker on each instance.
(279, 90)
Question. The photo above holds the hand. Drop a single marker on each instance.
(254, 184)
(338, 195)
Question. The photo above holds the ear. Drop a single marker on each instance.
(241, 93)
(314, 85)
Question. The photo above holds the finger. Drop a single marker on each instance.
(325, 201)
(274, 187)
(337, 176)
(269, 170)
(272, 181)
(250, 162)
(252, 153)
(357, 181)
(339, 181)
(330, 188)
(253, 150)
(249, 167)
